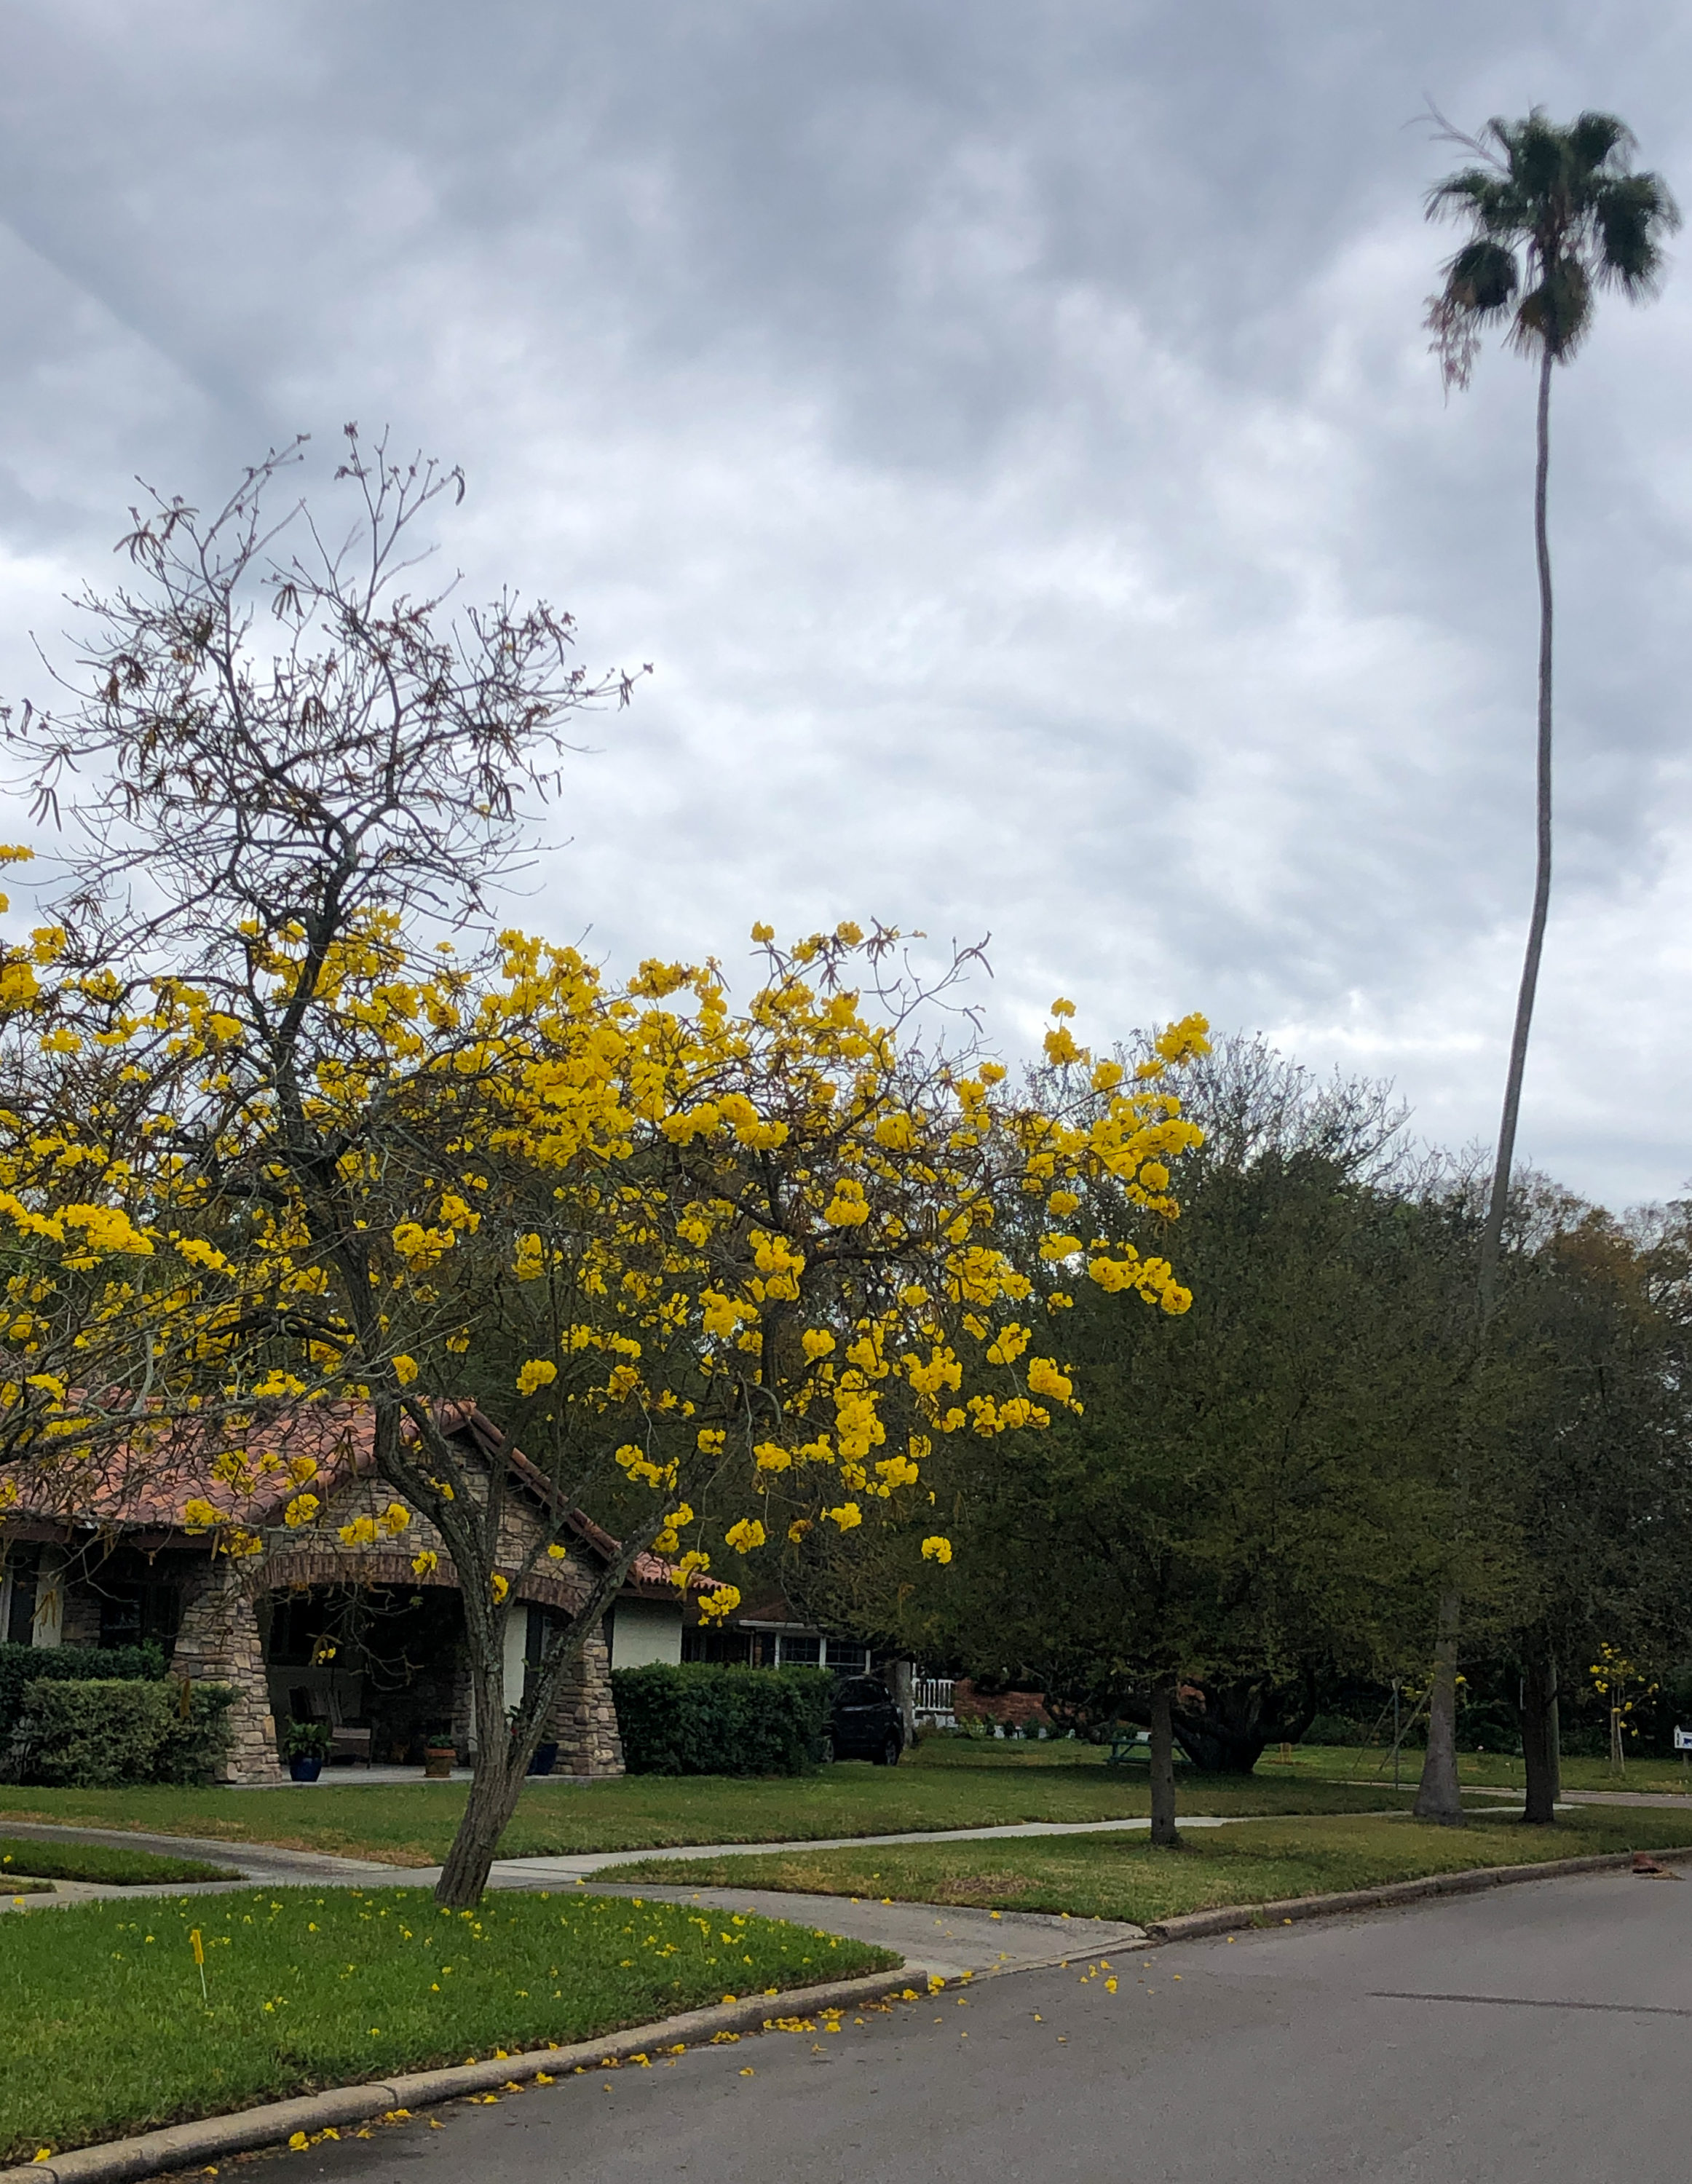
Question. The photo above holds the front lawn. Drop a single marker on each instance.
(103, 2030)
(1120, 1876)
(101, 1863)
(413, 1823)
(1494, 1770)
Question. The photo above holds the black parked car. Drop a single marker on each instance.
(866, 1724)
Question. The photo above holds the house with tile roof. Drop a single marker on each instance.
(328, 1620)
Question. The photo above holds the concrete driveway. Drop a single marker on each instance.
(1539, 2033)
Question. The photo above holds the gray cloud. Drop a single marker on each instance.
(1009, 431)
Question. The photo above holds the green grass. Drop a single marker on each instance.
(1122, 1877)
(103, 2030)
(412, 1825)
(98, 1862)
(1496, 1771)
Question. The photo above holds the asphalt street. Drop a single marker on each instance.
(1535, 2032)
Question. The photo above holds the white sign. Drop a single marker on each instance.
(1683, 1739)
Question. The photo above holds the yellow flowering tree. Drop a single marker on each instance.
(745, 1261)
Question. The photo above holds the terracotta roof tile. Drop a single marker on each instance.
(147, 1490)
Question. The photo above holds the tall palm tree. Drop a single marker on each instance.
(1555, 213)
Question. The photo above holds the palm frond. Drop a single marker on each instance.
(1598, 138)
(1631, 212)
(1557, 312)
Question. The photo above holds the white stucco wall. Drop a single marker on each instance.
(516, 1644)
(644, 1631)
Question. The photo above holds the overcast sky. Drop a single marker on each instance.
(1007, 428)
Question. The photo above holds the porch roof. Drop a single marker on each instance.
(130, 1492)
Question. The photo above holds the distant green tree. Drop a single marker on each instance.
(1253, 1492)
(1587, 1402)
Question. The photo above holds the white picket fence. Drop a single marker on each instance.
(931, 1698)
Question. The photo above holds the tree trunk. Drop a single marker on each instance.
(1540, 1756)
(1225, 1729)
(1492, 1236)
(1438, 1798)
(494, 1793)
(899, 1680)
(1163, 1834)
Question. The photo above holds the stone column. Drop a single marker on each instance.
(219, 1642)
(584, 1719)
(464, 1707)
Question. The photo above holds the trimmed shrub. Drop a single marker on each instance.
(91, 1735)
(100, 1733)
(700, 1720)
(194, 1744)
(75, 1664)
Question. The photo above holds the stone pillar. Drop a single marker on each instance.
(219, 1643)
(584, 1719)
(464, 1707)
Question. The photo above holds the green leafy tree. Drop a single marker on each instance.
(1589, 1403)
(1250, 1495)
(1555, 213)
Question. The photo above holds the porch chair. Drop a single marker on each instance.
(346, 1741)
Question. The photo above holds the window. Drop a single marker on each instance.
(722, 1648)
(848, 1659)
(798, 1652)
(133, 1614)
(540, 1633)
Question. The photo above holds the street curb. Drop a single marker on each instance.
(183, 2146)
(1193, 1925)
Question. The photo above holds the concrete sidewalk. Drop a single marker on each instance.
(262, 1864)
(268, 1866)
(954, 1940)
(583, 1865)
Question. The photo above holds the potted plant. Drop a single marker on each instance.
(440, 1756)
(305, 1746)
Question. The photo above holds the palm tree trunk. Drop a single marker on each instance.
(1438, 1790)
(1492, 1236)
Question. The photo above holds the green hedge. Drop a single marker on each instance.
(72, 1664)
(697, 1719)
(100, 1733)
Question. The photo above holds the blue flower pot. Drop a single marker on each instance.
(305, 1769)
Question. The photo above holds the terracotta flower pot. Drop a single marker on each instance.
(438, 1761)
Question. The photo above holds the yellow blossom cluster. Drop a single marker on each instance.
(766, 1253)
